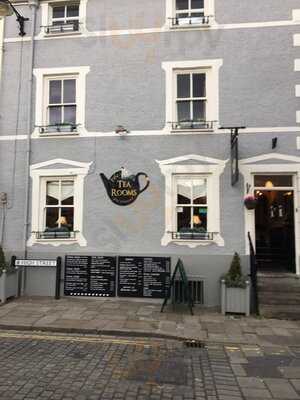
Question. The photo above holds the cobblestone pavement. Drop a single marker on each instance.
(85, 367)
(115, 316)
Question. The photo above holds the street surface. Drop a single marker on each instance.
(35, 365)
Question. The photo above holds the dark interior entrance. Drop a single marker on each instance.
(274, 230)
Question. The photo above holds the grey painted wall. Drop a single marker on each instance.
(126, 85)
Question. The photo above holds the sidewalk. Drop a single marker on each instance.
(113, 316)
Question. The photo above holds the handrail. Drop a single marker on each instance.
(253, 275)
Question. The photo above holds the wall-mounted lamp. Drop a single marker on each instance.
(120, 130)
(7, 9)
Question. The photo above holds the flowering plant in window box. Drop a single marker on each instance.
(250, 202)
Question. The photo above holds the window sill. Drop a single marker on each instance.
(59, 34)
(58, 134)
(190, 26)
(79, 240)
(192, 130)
(192, 243)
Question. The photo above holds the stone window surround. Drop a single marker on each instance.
(46, 17)
(39, 174)
(209, 168)
(211, 68)
(42, 75)
(209, 10)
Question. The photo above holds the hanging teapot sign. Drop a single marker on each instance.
(122, 188)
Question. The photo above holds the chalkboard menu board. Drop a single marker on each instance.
(143, 276)
(90, 276)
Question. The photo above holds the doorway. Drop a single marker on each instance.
(275, 223)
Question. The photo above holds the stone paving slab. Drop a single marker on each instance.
(145, 318)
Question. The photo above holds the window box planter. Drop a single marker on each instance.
(8, 285)
(235, 299)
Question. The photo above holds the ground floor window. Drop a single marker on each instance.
(192, 200)
(57, 202)
(191, 208)
(59, 205)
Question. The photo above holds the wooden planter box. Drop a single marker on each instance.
(8, 285)
(235, 300)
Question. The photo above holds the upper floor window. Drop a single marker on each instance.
(62, 103)
(66, 17)
(190, 13)
(60, 100)
(192, 94)
(190, 101)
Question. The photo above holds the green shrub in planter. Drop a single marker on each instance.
(234, 277)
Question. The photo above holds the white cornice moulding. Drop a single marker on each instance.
(270, 156)
(297, 64)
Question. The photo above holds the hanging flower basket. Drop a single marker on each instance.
(250, 202)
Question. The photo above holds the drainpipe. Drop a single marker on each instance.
(33, 4)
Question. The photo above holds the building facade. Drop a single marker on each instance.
(138, 92)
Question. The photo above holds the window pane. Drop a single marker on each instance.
(68, 214)
(67, 192)
(55, 115)
(69, 91)
(183, 86)
(197, 4)
(52, 195)
(58, 12)
(184, 193)
(196, 17)
(183, 111)
(199, 110)
(199, 85)
(182, 4)
(199, 191)
(52, 215)
(183, 219)
(70, 114)
(73, 11)
(273, 180)
(200, 219)
(55, 92)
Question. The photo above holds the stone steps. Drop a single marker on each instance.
(280, 312)
(279, 295)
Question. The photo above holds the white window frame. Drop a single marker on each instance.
(61, 78)
(209, 10)
(43, 75)
(43, 198)
(188, 178)
(46, 12)
(65, 19)
(42, 172)
(211, 69)
(191, 99)
(209, 168)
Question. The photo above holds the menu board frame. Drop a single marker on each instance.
(105, 287)
(134, 284)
